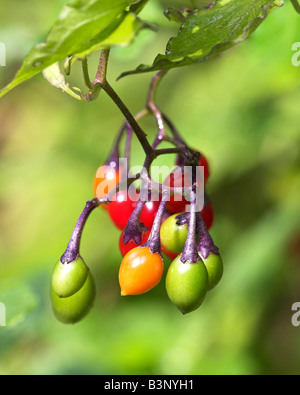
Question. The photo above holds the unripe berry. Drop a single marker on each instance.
(187, 285)
(69, 278)
(71, 310)
(215, 269)
(173, 236)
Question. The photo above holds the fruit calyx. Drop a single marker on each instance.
(206, 245)
(134, 229)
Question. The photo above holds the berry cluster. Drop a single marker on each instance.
(157, 221)
(153, 230)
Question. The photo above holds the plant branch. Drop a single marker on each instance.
(142, 137)
(102, 68)
(100, 76)
(86, 76)
(154, 109)
(173, 129)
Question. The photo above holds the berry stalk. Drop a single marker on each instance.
(154, 239)
(73, 248)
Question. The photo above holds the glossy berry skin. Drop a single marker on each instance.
(187, 285)
(69, 278)
(109, 177)
(177, 202)
(122, 208)
(140, 271)
(173, 236)
(215, 268)
(71, 310)
(208, 215)
(204, 163)
(125, 248)
(149, 212)
(179, 178)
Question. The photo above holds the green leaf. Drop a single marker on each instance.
(209, 32)
(19, 301)
(122, 36)
(175, 15)
(82, 27)
(54, 75)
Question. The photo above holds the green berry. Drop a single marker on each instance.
(173, 236)
(187, 285)
(71, 310)
(69, 278)
(215, 269)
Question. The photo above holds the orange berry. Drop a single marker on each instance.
(140, 271)
(106, 179)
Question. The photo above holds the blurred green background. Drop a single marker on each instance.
(242, 110)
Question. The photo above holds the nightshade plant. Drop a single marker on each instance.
(157, 223)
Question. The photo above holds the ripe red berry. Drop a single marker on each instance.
(125, 248)
(208, 215)
(149, 213)
(204, 162)
(179, 178)
(177, 202)
(121, 209)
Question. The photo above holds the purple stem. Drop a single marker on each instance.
(73, 249)
(154, 239)
(206, 245)
(128, 142)
(190, 253)
(173, 129)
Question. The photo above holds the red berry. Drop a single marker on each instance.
(177, 202)
(121, 209)
(208, 215)
(179, 178)
(204, 162)
(149, 213)
(125, 248)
